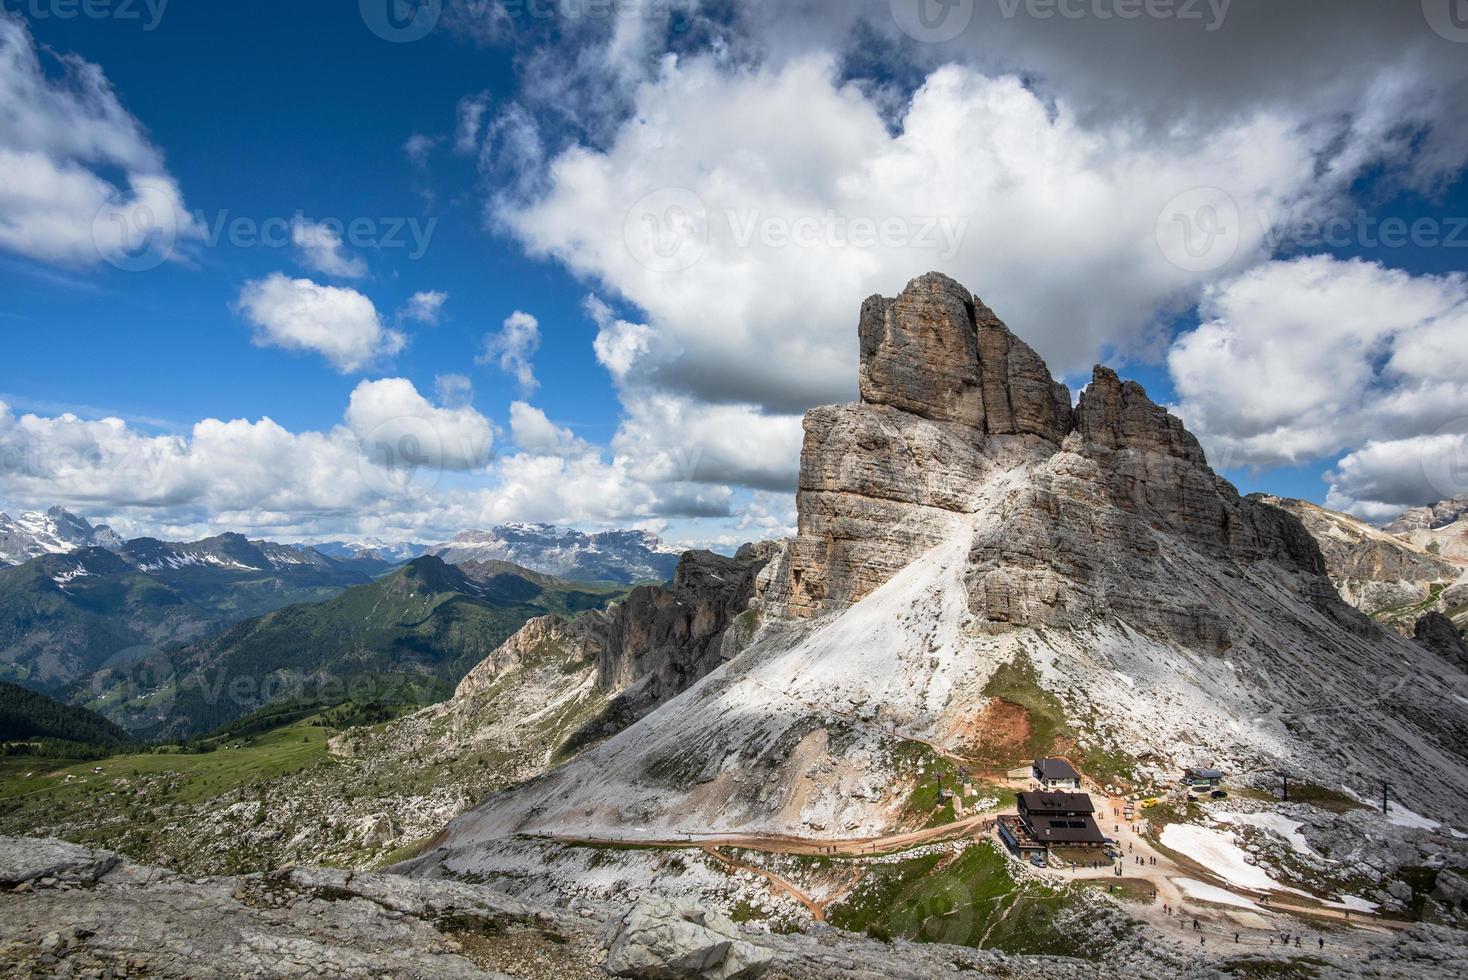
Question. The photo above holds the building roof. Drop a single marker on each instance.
(1067, 830)
(1055, 769)
(1203, 773)
(1056, 803)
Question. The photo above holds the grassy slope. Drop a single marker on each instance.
(968, 899)
(50, 635)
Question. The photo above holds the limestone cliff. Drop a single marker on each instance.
(1384, 575)
(963, 520)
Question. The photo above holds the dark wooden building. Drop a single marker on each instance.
(1065, 819)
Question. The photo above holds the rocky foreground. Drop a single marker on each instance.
(71, 911)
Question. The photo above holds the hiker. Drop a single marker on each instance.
(1236, 938)
(1322, 942)
(1297, 942)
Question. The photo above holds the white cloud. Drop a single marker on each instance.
(418, 147)
(1381, 479)
(453, 390)
(535, 433)
(1051, 219)
(672, 438)
(619, 345)
(62, 138)
(338, 323)
(470, 121)
(1299, 360)
(513, 347)
(321, 249)
(391, 419)
(425, 307)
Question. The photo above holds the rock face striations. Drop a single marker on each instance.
(953, 405)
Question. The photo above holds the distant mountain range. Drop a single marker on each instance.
(408, 636)
(372, 549)
(64, 615)
(53, 532)
(624, 557)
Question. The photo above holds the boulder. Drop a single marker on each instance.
(660, 940)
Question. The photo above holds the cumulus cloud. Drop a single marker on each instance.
(394, 422)
(1299, 360)
(512, 348)
(320, 247)
(381, 467)
(535, 433)
(746, 253)
(425, 307)
(338, 323)
(1381, 479)
(83, 183)
(453, 390)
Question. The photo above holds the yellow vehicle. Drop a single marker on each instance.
(1149, 803)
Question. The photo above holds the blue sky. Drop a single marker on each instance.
(510, 162)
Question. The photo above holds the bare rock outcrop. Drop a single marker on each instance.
(957, 413)
(1438, 515)
(1383, 575)
(936, 351)
(1437, 633)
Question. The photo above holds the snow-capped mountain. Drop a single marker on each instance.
(624, 557)
(375, 549)
(54, 532)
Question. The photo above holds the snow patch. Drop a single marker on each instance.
(1198, 891)
(1276, 823)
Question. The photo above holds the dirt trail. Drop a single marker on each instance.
(817, 910)
(782, 844)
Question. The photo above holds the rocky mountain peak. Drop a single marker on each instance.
(938, 352)
(1432, 517)
(1117, 414)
